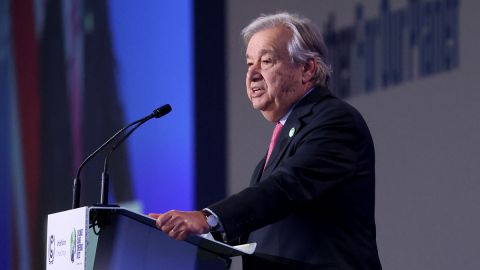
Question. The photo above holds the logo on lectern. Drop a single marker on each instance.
(73, 245)
(51, 249)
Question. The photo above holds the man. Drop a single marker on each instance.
(310, 204)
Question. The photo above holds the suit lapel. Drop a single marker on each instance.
(258, 172)
(295, 122)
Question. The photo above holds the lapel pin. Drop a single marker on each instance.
(291, 132)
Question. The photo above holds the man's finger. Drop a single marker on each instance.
(172, 233)
(163, 219)
(179, 234)
(166, 228)
(182, 235)
(154, 215)
(170, 226)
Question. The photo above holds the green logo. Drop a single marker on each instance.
(73, 244)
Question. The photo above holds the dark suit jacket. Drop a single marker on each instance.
(313, 206)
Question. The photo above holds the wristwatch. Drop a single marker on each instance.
(211, 219)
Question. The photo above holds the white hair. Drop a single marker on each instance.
(306, 43)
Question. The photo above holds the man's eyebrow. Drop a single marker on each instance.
(263, 52)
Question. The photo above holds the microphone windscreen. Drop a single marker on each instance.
(161, 111)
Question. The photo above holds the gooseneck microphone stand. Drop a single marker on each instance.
(157, 113)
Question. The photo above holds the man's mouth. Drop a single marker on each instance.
(257, 91)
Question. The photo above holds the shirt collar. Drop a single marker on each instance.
(285, 117)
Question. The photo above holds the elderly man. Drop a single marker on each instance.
(310, 204)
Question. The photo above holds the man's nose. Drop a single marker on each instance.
(253, 74)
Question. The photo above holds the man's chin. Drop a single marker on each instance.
(261, 104)
(258, 106)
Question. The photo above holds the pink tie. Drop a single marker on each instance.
(276, 131)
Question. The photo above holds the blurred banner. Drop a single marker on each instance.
(410, 67)
(71, 74)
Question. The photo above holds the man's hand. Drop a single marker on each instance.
(181, 224)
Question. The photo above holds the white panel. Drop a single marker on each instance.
(66, 240)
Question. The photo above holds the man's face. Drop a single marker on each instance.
(273, 82)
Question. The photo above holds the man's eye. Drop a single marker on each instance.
(267, 62)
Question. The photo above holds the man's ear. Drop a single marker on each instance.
(309, 69)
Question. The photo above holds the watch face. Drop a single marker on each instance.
(212, 221)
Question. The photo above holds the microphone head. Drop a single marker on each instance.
(161, 111)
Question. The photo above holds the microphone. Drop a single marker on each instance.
(161, 111)
(157, 113)
(105, 177)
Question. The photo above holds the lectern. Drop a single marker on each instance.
(116, 238)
